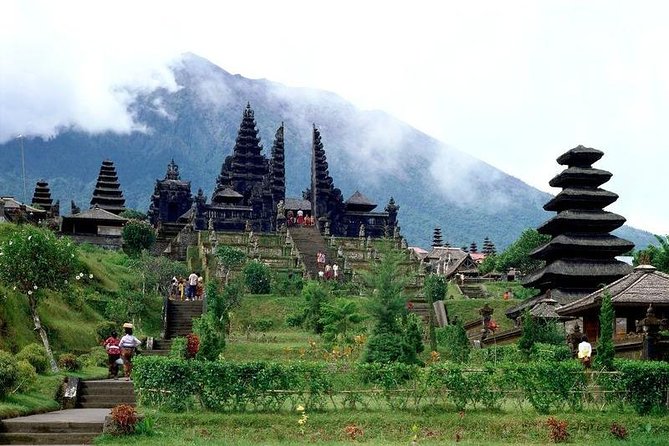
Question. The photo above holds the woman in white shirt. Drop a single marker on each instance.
(585, 352)
(128, 345)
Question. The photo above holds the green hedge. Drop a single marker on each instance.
(269, 386)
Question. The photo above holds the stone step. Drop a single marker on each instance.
(156, 352)
(12, 427)
(25, 438)
(107, 391)
(104, 404)
(104, 400)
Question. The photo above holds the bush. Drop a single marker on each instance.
(178, 348)
(137, 236)
(387, 348)
(454, 339)
(97, 357)
(315, 295)
(212, 338)
(645, 383)
(9, 373)
(125, 418)
(257, 278)
(69, 362)
(35, 354)
(192, 345)
(27, 376)
(103, 330)
(550, 352)
(287, 284)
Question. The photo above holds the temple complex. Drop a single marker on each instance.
(108, 194)
(580, 257)
(250, 194)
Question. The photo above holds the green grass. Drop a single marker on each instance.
(468, 309)
(41, 396)
(430, 427)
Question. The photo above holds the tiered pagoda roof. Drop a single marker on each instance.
(325, 197)
(359, 203)
(436, 238)
(246, 167)
(488, 246)
(108, 194)
(277, 169)
(42, 196)
(580, 257)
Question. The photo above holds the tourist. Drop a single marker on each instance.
(199, 288)
(111, 345)
(128, 345)
(328, 272)
(192, 286)
(290, 220)
(507, 294)
(585, 352)
(182, 288)
(300, 217)
(174, 287)
(320, 260)
(321, 275)
(335, 271)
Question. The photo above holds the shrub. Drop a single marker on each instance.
(27, 376)
(287, 284)
(212, 338)
(316, 296)
(103, 330)
(69, 362)
(257, 278)
(263, 324)
(454, 339)
(35, 354)
(137, 236)
(549, 352)
(605, 348)
(557, 430)
(125, 418)
(9, 373)
(385, 348)
(97, 357)
(645, 383)
(618, 431)
(192, 345)
(178, 348)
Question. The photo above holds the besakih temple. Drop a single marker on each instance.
(108, 194)
(96, 226)
(437, 241)
(250, 194)
(580, 257)
(13, 211)
(42, 200)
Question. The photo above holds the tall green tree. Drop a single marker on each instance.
(517, 254)
(605, 348)
(658, 256)
(137, 236)
(33, 260)
(228, 258)
(340, 318)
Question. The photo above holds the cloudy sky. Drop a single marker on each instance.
(514, 83)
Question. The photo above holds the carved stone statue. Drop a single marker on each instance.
(280, 208)
(327, 227)
(361, 233)
(210, 224)
(247, 226)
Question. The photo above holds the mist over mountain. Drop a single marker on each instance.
(196, 124)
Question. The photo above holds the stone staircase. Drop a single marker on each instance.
(54, 428)
(421, 307)
(105, 393)
(161, 347)
(308, 241)
(180, 317)
(473, 290)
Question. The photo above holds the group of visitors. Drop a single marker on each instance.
(325, 270)
(191, 288)
(121, 351)
(300, 219)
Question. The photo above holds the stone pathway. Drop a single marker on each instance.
(64, 427)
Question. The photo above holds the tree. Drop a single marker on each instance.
(339, 319)
(658, 256)
(517, 254)
(33, 260)
(605, 348)
(316, 297)
(132, 214)
(229, 257)
(392, 337)
(137, 236)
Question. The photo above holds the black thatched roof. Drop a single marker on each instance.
(580, 156)
(642, 287)
(227, 195)
(597, 245)
(359, 202)
(585, 271)
(96, 213)
(297, 204)
(585, 221)
(581, 176)
(581, 198)
(562, 297)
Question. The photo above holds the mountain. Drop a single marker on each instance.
(370, 151)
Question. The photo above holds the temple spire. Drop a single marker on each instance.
(42, 196)
(436, 238)
(108, 194)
